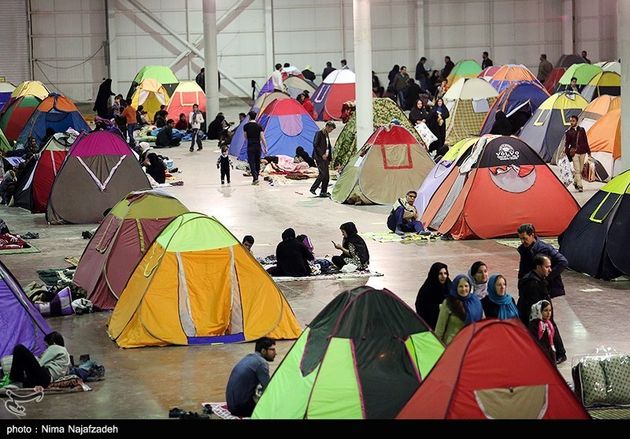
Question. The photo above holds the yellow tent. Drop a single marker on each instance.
(151, 94)
(197, 284)
(31, 88)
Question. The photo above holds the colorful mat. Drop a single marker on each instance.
(335, 276)
(14, 251)
(515, 242)
(407, 238)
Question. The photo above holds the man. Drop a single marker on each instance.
(292, 257)
(165, 136)
(129, 113)
(576, 148)
(400, 85)
(200, 79)
(195, 119)
(486, 61)
(422, 75)
(544, 68)
(404, 216)
(159, 119)
(344, 65)
(586, 60)
(327, 70)
(276, 78)
(532, 245)
(256, 144)
(448, 66)
(248, 373)
(573, 85)
(308, 73)
(532, 288)
(322, 153)
(248, 242)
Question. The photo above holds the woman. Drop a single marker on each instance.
(460, 308)
(498, 304)
(353, 247)
(155, 167)
(433, 292)
(218, 128)
(418, 113)
(102, 98)
(479, 274)
(437, 125)
(52, 365)
(182, 122)
(541, 327)
(308, 104)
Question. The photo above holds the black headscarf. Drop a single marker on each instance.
(359, 244)
(288, 234)
(431, 294)
(156, 168)
(102, 97)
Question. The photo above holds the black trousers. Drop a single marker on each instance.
(557, 341)
(339, 261)
(323, 177)
(26, 369)
(225, 173)
(253, 158)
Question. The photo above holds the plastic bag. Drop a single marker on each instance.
(566, 170)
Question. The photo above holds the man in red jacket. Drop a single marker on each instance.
(576, 148)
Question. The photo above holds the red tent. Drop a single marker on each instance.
(337, 88)
(553, 78)
(494, 369)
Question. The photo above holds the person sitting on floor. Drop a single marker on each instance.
(302, 156)
(353, 247)
(292, 257)
(182, 122)
(404, 216)
(155, 167)
(165, 136)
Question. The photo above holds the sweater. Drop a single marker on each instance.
(57, 360)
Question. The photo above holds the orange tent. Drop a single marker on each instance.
(604, 139)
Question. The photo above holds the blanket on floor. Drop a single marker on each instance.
(332, 276)
(392, 237)
(15, 251)
(515, 242)
(65, 384)
(220, 409)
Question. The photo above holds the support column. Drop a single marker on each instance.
(420, 40)
(363, 62)
(567, 27)
(112, 52)
(623, 44)
(210, 54)
(269, 48)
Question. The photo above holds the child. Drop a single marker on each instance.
(542, 329)
(225, 163)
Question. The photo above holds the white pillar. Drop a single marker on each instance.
(113, 51)
(269, 47)
(623, 44)
(567, 27)
(420, 41)
(363, 63)
(210, 54)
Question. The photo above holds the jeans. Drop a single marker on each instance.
(195, 138)
(253, 158)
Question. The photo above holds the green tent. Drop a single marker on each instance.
(466, 68)
(582, 72)
(162, 74)
(362, 357)
(5, 145)
(385, 110)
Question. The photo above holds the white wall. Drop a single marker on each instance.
(596, 29)
(14, 47)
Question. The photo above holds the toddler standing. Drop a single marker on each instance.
(224, 162)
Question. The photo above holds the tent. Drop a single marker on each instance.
(35, 183)
(596, 242)
(162, 74)
(5, 145)
(487, 73)
(286, 75)
(15, 115)
(545, 129)
(468, 102)
(287, 125)
(30, 88)
(150, 94)
(335, 89)
(187, 94)
(55, 112)
(501, 171)
(582, 72)
(361, 357)
(296, 85)
(494, 369)
(610, 66)
(20, 321)
(121, 241)
(384, 111)
(197, 284)
(604, 83)
(552, 80)
(466, 68)
(391, 162)
(6, 88)
(567, 61)
(98, 172)
(604, 139)
(519, 101)
(510, 73)
(266, 99)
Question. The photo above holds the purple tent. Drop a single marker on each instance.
(20, 322)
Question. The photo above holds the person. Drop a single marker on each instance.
(195, 118)
(327, 70)
(541, 327)
(434, 82)
(302, 156)
(292, 257)
(448, 66)
(586, 60)
(478, 273)
(377, 89)
(501, 125)
(399, 85)
(256, 145)
(412, 94)
(218, 128)
(155, 167)
(460, 308)
(129, 113)
(544, 68)
(418, 113)
(248, 242)
(437, 125)
(322, 153)
(344, 64)
(308, 73)
(28, 371)
(8, 186)
(139, 120)
(392, 75)
(576, 148)
(247, 375)
(573, 85)
(102, 98)
(433, 292)
(165, 136)
(353, 247)
(485, 61)
(200, 79)
(532, 245)
(224, 162)
(498, 304)
(159, 119)
(404, 216)
(308, 104)
(533, 288)
(276, 78)
(422, 75)
(182, 122)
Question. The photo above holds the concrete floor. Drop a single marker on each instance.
(146, 383)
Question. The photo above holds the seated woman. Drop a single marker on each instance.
(28, 371)
(302, 156)
(460, 308)
(218, 128)
(292, 257)
(182, 122)
(432, 293)
(353, 247)
(498, 304)
(155, 167)
(478, 273)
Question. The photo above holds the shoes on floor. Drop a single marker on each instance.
(191, 149)
(561, 359)
(324, 195)
(580, 189)
(255, 182)
(200, 148)
(399, 232)
(447, 237)
(86, 234)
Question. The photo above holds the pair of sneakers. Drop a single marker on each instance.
(321, 195)
(199, 148)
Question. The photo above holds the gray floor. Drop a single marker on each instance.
(146, 383)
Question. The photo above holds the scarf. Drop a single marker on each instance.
(507, 309)
(472, 304)
(543, 325)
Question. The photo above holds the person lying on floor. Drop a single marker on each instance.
(404, 216)
(292, 257)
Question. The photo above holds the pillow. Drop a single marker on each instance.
(590, 382)
(617, 370)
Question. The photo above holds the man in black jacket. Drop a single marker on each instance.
(292, 257)
(322, 153)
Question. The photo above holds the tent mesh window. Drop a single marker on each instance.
(397, 156)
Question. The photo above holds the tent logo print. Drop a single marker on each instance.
(506, 152)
